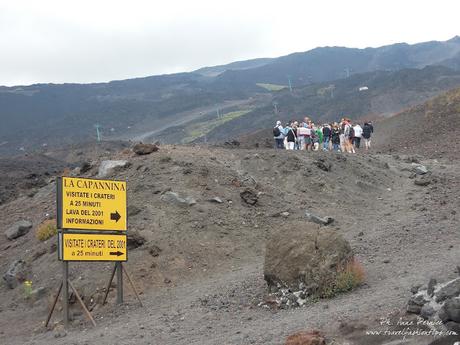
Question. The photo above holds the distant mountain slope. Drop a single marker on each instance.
(51, 114)
(388, 92)
(431, 129)
(331, 63)
(237, 65)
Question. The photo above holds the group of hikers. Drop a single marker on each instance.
(343, 136)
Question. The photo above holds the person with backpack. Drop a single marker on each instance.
(291, 136)
(349, 134)
(368, 129)
(278, 135)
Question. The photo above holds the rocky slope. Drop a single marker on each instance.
(198, 221)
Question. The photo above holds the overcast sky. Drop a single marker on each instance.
(98, 40)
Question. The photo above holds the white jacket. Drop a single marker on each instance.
(358, 131)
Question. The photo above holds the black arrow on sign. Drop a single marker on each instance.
(115, 216)
(117, 253)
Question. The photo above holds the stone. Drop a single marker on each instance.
(85, 167)
(306, 338)
(422, 180)
(216, 200)
(145, 149)
(18, 229)
(450, 289)
(38, 293)
(427, 311)
(318, 220)
(452, 309)
(454, 327)
(304, 253)
(322, 164)
(414, 289)
(16, 274)
(249, 196)
(154, 250)
(107, 167)
(135, 240)
(431, 285)
(419, 169)
(174, 198)
(415, 304)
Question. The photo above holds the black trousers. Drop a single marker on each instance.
(357, 142)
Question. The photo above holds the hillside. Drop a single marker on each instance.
(199, 267)
(64, 114)
(388, 93)
(431, 129)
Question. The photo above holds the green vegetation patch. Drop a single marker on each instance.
(271, 87)
(198, 130)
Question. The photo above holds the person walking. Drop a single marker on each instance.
(358, 134)
(368, 129)
(278, 135)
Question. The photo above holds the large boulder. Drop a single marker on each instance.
(18, 229)
(107, 167)
(145, 149)
(304, 256)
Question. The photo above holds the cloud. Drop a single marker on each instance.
(89, 41)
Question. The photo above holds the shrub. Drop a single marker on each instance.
(46, 230)
(349, 277)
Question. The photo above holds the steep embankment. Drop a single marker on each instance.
(431, 129)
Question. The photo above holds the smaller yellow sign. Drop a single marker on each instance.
(92, 247)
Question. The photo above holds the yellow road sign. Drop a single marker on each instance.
(92, 247)
(90, 204)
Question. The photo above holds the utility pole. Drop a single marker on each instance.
(97, 131)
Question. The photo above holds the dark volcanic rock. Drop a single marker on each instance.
(318, 220)
(416, 303)
(431, 286)
(423, 180)
(322, 164)
(451, 289)
(16, 273)
(249, 196)
(145, 149)
(452, 309)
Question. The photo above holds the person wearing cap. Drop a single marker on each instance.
(278, 135)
